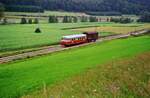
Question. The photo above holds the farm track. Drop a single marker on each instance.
(51, 49)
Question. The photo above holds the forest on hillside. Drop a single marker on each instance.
(121, 6)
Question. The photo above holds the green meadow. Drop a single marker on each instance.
(23, 77)
(16, 36)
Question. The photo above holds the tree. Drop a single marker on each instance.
(145, 17)
(67, 19)
(36, 21)
(53, 19)
(121, 20)
(30, 21)
(5, 21)
(23, 21)
(2, 9)
(75, 19)
(84, 19)
(93, 19)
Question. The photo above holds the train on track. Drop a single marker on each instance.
(76, 39)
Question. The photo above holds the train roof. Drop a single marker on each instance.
(90, 33)
(74, 36)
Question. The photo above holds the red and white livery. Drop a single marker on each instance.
(73, 39)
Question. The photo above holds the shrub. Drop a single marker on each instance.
(37, 30)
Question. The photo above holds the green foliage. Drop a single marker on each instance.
(24, 8)
(93, 19)
(75, 19)
(30, 21)
(67, 19)
(84, 19)
(103, 6)
(1, 11)
(36, 21)
(145, 17)
(23, 21)
(53, 19)
(121, 20)
(108, 13)
(37, 30)
(21, 78)
(5, 21)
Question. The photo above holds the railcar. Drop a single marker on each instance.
(73, 39)
(76, 39)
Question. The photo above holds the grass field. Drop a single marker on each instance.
(17, 79)
(115, 28)
(126, 78)
(15, 37)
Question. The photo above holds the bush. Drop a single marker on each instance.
(23, 21)
(37, 30)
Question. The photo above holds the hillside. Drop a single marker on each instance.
(123, 6)
(23, 77)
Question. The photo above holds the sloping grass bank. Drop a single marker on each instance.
(126, 78)
(20, 78)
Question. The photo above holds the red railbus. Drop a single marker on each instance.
(73, 39)
(79, 38)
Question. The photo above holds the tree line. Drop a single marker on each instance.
(65, 19)
(89, 6)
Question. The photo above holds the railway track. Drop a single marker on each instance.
(51, 49)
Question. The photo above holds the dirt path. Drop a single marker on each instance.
(51, 49)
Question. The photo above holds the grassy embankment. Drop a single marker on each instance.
(17, 79)
(126, 78)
